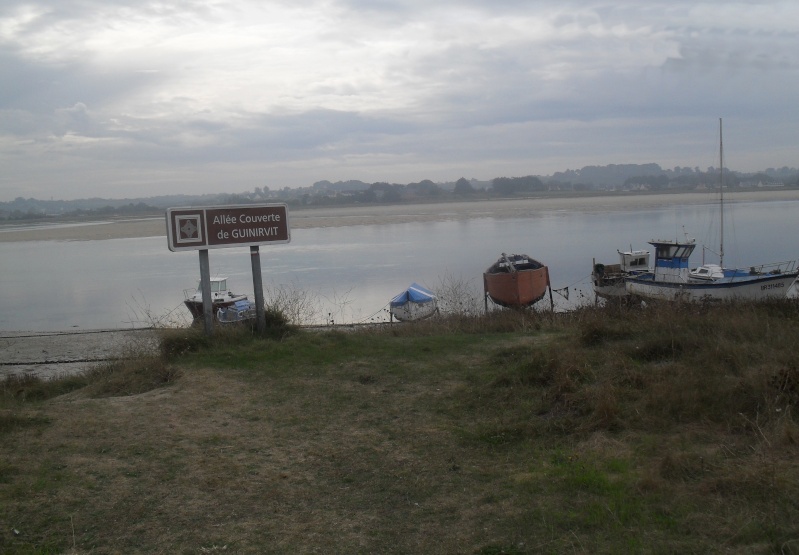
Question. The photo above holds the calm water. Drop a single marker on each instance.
(350, 273)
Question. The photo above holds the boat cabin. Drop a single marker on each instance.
(219, 290)
(218, 285)
(633, 261)
(671, 260)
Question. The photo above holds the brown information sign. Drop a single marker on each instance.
(216, 227)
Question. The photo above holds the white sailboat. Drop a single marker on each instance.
(671, 278)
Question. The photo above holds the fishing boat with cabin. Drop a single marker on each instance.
(672, 279)
(221, 297)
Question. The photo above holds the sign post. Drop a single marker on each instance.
(260, 315)
(216, 227)
(205, 285)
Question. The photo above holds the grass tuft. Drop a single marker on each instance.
(130, 377)
(179, 342)
(19, 388)
(12, 422)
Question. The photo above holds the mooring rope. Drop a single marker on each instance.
(82, 332)
(70, 361)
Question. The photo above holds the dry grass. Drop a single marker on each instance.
(669, 429)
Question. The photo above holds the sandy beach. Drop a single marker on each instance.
(399, 213)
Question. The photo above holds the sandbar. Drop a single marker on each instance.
(300, 218)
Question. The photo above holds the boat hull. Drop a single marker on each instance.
(608, 281)
(516, 289)
(415, 303)
(411, 311)
(774, 286)
(240, 311)
(610, 290)
(196, 306)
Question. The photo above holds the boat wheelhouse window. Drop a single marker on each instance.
(638, 261)
(217, 286)
(674, 251)
(666, 251)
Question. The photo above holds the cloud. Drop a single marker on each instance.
(396, 90)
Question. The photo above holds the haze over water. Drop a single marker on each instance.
(352, 272)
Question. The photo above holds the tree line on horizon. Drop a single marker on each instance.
(624, 177)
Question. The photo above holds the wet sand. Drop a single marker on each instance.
(401, 213)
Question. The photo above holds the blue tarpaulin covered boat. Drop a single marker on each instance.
(415, 303)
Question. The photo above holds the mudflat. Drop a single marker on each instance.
(300, 218)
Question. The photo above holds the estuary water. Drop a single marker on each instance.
(349, 274)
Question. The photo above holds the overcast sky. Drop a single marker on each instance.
(128, 98)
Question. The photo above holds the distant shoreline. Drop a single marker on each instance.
(334, 216)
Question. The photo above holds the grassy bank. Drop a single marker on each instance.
(670, 429)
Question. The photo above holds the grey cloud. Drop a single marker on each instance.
(255, 138)
(41, 97)
(614, 83)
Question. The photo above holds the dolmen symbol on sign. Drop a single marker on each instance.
(227, 226)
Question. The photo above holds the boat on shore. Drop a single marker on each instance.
(516, 281)
(221, 297)
(671, 279)
(607, 280)
(415, 303)
(239, 311)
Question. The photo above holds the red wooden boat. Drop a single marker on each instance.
(516, 280)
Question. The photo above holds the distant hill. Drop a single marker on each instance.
(587, 178)
(340, 186)
(606, 176)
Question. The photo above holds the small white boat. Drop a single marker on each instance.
(707, 272)
(221, 297)
(415, 303)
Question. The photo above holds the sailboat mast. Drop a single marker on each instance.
(721, 191)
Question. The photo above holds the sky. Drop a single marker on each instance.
(133, 98)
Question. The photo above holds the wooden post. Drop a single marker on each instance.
(485, 294)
